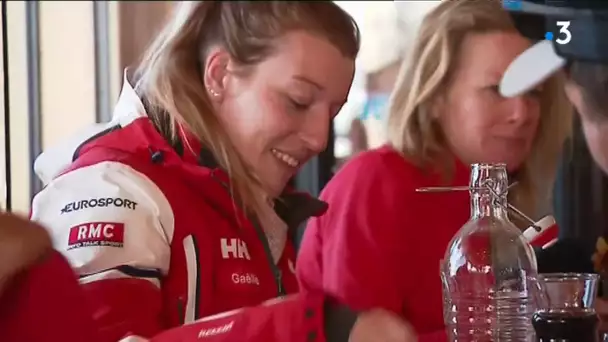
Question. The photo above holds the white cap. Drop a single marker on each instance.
(530, 69)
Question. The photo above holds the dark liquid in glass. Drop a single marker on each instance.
(566, 326)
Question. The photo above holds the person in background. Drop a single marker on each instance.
(177, 215)
(383, 46)
(380, 242)
(378, 62)
(586, 86)
(374, 114)
(357, 137)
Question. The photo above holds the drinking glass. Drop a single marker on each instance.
(566, 308)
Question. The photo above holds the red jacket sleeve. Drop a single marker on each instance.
(125, 307)
(439, 336)
(350, 252)
(46, 304)
(298, 318)
(130, 309)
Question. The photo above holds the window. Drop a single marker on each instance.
(65, 62)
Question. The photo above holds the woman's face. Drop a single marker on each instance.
(479, 124)
(279, 115)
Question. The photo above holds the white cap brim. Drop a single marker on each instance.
(530, 69)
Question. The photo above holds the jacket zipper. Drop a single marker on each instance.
(278, 276)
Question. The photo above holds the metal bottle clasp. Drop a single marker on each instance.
(509, 206)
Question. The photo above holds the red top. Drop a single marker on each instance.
(381, 242)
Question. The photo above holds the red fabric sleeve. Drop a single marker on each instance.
(125, 307)
(352, 247)
(298, 318)
(439, 336)
(46, 304)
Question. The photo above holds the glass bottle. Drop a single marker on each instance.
(489, 270)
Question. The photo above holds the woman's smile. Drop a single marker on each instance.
(286, 158)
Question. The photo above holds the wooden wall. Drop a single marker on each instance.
(139, 22)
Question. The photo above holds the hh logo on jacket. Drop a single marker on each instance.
(96, 234)
(234, 249)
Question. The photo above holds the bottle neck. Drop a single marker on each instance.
(489, 185)
(485, 204)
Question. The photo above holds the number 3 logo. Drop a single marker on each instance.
(564, 25)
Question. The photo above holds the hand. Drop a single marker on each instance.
(22, 244)
(601, 307)
(381, 326)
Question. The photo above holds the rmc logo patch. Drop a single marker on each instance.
(91, 234)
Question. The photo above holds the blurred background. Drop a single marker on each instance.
(65, 64)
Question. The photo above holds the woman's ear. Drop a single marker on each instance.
(214, 73)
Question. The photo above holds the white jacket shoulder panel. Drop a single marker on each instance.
(107, 215)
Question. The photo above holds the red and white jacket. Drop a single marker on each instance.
(157, 241)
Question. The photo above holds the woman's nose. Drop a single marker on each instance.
(315, 132)
(523, 109)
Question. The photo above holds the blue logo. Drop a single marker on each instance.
(549, 36)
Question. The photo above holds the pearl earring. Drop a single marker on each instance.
(213, 92)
